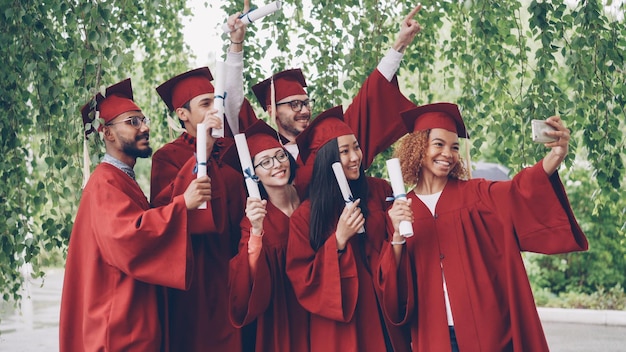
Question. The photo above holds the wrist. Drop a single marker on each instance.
(341, 245)
(236, 43)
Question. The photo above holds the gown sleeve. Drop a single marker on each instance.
(145, 244)
(250, 295)
(538, 208)
(374, 115)
(325, 283)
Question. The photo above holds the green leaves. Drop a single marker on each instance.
(54, 54)
(505, 63)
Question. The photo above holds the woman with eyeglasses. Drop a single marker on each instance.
(259, 288)
(328, 261)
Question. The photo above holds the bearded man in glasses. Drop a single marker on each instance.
(121, 252)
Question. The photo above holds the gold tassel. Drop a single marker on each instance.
(86, 162)
(273, 99)
(468, 157)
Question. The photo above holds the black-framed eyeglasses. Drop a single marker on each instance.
(296, 105)
(268, 163)
(134, 121)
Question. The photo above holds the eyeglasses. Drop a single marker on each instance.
(268, 163)
(134, 121)
(296, 105)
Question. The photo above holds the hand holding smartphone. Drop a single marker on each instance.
(539, 127)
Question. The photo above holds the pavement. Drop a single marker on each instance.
(35, 327)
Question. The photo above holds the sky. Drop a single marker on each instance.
(203, 33)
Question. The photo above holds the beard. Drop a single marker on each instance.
(130, 147)
(289, 123)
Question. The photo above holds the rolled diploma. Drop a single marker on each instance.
(254, 15)
(342, 181)
(397, 185)
(246, 164)
(220, 95)
(201, 154)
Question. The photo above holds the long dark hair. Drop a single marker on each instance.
(293, 166)
(326, 200)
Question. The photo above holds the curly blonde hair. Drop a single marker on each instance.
(411, 151)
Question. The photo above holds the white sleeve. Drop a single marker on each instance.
(234, 89)
(389, 64)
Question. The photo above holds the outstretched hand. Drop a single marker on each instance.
(238, 29)
(409, 27)
(559, 147)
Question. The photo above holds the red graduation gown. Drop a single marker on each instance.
(338, 290)
(374, 116)
(199, 316)
(268, 297)
(119, 251)
(477, 234)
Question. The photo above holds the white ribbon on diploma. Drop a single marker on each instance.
(220, 96)
(254, 15)
(201, 153)
(399, 192)
(342, 181)
(246, 166)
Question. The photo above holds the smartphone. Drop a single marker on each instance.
(539, 127)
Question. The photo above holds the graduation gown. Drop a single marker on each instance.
(338, 290)
(374, 116)
(119, 251)
(478, 231)
(198, 317)
(268, 297)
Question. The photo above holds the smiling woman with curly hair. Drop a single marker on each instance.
(411, 151)
(459, 282)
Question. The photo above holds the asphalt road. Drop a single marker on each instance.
(35, 329)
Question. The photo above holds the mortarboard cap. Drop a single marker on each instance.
(261, 136)
(117, 100)
(437, 115)
(180, 89)
(286, 83)
(326, 126)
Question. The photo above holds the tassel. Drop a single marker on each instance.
(273, 99)
(86, 162)
(468, 157)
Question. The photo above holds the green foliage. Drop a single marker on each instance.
(613, 299)
(504, 62)
(56, 55)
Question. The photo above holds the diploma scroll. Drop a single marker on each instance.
(399, 192)
(246, 166)
(342, 181)
(201, 154)
(254, 15)
(220, 96)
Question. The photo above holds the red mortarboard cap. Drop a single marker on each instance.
(438, 115)
(118, 100)
(286, 83)
(180, 89)
(326, 126)
(261, 136)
